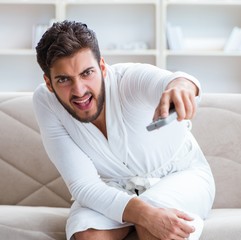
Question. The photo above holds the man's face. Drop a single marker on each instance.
(78, 83)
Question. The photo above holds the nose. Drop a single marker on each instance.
(78, 88)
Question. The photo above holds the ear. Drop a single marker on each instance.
(103, 67)
(48, 83)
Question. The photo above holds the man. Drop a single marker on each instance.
(93, 119)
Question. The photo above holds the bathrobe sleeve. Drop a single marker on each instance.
(145, 83)
(76, 168)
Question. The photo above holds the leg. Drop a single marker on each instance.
(84, 223)
(190, 190)
(143, 234)
(92, 234)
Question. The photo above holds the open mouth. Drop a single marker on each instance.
(83, 103)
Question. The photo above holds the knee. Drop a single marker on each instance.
(88, 234)
(93, 234)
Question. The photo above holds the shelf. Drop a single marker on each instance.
(135, 31)
(84, 2)
(203, 53)
(50, 2)
(206, 2)
(149, 52)
(216, 74)
(17, 52)
(17, 23)
(121, 31)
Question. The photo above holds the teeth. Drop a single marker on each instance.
(82, 101)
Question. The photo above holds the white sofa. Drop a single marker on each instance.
(34, 201)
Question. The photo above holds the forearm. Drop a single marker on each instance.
(137, 211)
(161, 223)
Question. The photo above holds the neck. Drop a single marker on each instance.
(100, 123)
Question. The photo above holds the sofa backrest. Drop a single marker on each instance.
(27, 177)
(217, 128)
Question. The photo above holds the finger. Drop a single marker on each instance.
(184, 216)
(194, 105)
(179, 238)
(179, 234)
(182, 227)
(179, 107)
(182, 234)
(186, 228)
(189, 108)
(163, 107)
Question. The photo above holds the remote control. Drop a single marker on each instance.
(160, 122)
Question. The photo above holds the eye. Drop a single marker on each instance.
(63, 80)
(87, 73)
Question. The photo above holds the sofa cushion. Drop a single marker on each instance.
(218, 132)
(32, 223)
(222, 224)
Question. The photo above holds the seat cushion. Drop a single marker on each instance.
(222, 224)
(32, 223)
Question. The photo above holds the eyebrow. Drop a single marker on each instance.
(87, 69)
(61, 76)
(67, 76)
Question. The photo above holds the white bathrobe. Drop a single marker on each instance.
(102, 174)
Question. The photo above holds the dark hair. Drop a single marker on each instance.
(64, 39)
